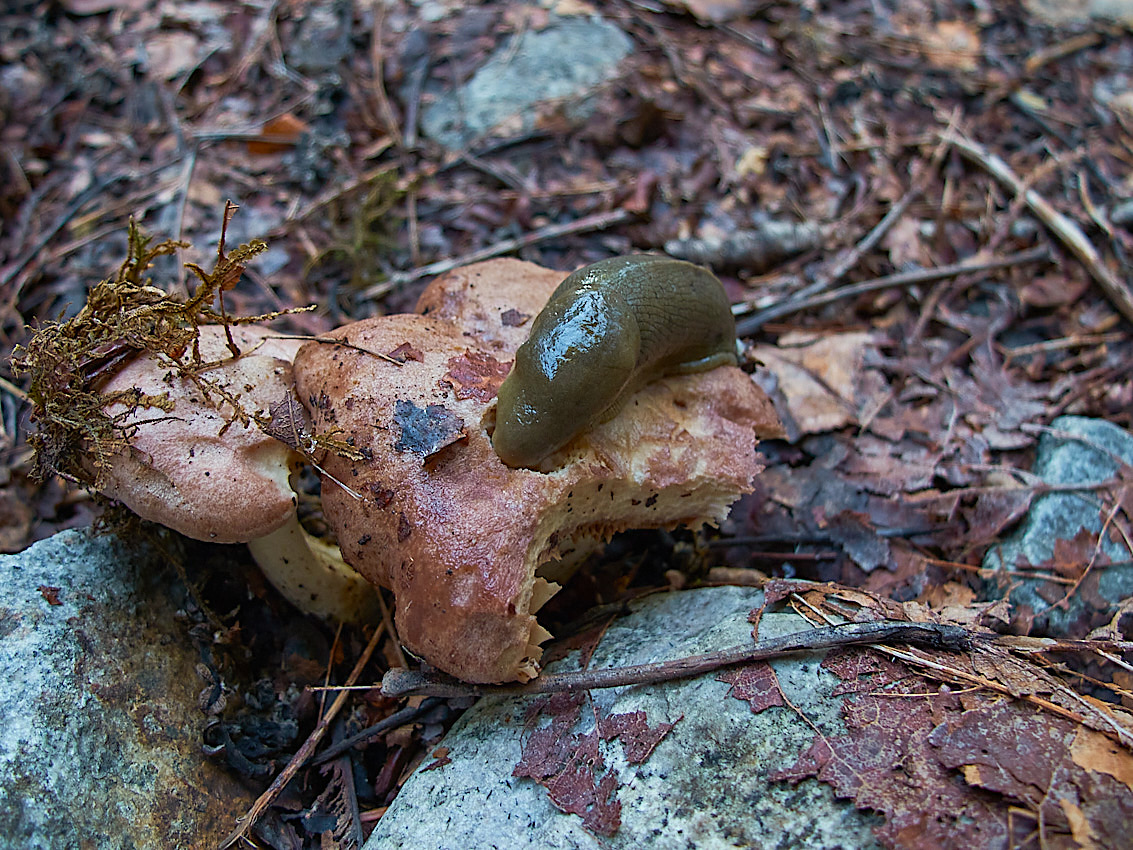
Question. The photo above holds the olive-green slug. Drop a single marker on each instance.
(608, 329)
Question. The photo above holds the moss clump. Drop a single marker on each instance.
(68, 362)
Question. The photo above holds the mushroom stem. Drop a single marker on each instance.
(312, 576)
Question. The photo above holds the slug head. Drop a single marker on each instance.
(581, 354)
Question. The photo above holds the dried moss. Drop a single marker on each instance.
(68, 362)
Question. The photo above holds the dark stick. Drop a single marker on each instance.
(399, 682)
(398, 718)
(748, 326)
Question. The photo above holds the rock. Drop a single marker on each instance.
(1055, 517)
(322, 39)
(100, 741)
(705, 785)
(560, 64)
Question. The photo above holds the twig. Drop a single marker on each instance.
(1062, 344)
(1060, 50)
(750, 325)
(377, 65)
(305, 751)
(398, 683)
(395, 720)
(322, 340)
(598, 221)
(1103, 720)
(852, 257)
(1062, 227)
(391, 629)
(344, 769)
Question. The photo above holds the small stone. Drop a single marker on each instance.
(1057, 517)
(562, 63)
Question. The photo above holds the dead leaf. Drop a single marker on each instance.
(291, 424)
(906, 246)
(953, 46)
(50, 594)
(638, 738)
(513, 318)
(284, 132)
(1079, 827)
(756, 684)
(820, 377)
(1094, 751)
(172, 54)
(406, 352)
(715, 11)
(478, 375)
(1053, 290)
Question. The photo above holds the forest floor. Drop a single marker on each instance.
(956, 179)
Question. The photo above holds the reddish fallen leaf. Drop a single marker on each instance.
(440, 754)
(283, 132)
(513, 318)
(50, 594)
(884, 762)
(477, 375)
(914, 751)
(406, 352)
(755, 683)
(574, 790)
(638, 738)
(570, 765)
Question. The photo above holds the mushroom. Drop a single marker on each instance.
(468, 544)
(205, 474)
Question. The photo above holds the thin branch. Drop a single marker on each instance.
(598, 221)
(1068, 233)
(750, 325)
(852, 257)
(399, 683)
(377, 82)
(394, 721)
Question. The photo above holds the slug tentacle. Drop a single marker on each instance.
(607, 330)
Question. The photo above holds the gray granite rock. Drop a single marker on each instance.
(706, 784)
(100, 740)
(560, 64)
(1061, 516)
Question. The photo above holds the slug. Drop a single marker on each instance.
(607, 330)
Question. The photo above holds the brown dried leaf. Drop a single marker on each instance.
(284, 131)
(953, 46)
(1094, 751)
(821, 377)
(633, 730)
(50, 594)
(885, 761)
(406, 352)
(291, 424)
(513, 318)
(478, 375)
